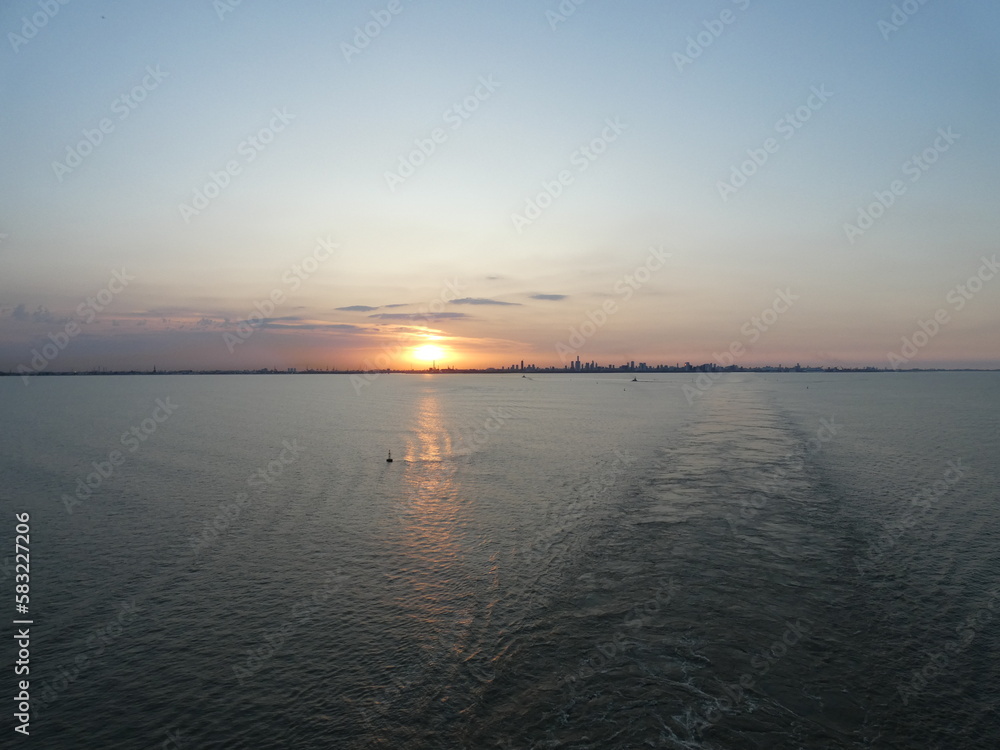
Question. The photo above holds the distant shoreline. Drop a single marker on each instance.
(513, 372)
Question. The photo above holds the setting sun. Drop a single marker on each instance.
(428, 353)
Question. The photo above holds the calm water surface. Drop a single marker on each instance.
(788, 561)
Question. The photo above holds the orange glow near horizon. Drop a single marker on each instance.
(427, 353)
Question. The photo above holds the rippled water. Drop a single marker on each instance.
(789, 561)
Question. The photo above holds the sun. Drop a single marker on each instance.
(428, 352)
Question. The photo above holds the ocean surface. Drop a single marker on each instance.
(554, 561)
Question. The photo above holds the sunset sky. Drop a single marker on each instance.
(361, 179)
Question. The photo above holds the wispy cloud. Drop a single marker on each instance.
(345, 327)
(369, 308)
(297, 323)
(420, 316)
(481, 301)
(40, 315)
(553, 297)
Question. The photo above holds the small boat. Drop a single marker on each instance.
(634, 380)
(389, 460)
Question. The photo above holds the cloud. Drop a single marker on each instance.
(369, 308)
(172, 311)
(316, 326)
(419, 316)
(480, 301)
(553, 297)
(266, 321)
(297, 323)
(40, 315)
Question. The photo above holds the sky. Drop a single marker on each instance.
(230, 185)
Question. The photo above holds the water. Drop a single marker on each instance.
(549, 562)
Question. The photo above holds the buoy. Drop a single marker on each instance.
(389, 460)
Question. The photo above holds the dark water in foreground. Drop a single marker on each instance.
(792, 561)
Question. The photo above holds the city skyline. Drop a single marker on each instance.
(585, 368)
